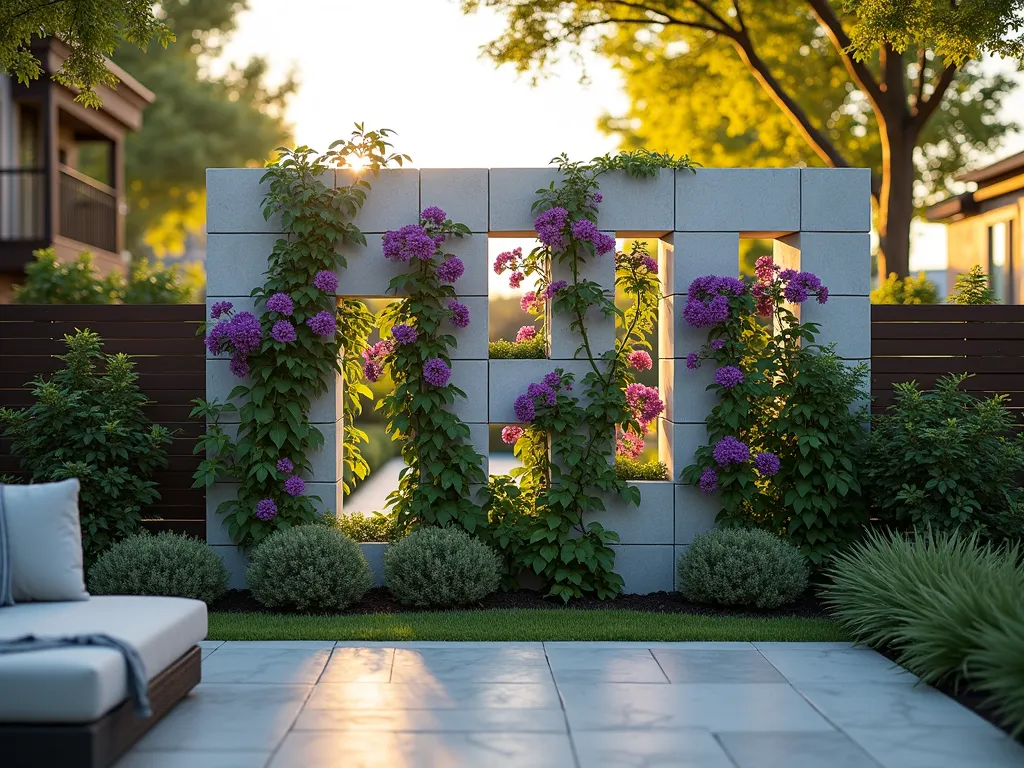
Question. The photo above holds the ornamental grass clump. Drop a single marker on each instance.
(441, 567)
(742, 566)
(308, 568)
(946, 604)
(167, 565)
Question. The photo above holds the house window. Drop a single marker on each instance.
(1000, 260)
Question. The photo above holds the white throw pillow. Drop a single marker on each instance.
(44, 540)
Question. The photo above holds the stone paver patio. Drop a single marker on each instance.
(564, 705)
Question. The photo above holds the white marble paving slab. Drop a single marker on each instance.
(496, 720)
(269, 666)
(939, 747)
(612, 665)
(434, 695)
(482, 665)
(795, 750)
(827, 666)
(684, 748)
(190, 758)
(354, 665)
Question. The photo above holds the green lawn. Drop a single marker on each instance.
(530, 624)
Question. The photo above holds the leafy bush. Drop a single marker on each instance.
(972, 288)
(88, 423)
(167, 564)
(742, 566)
(359, 527)
(629, 469)
(947, 605)
(943, 459)
(909, 290)
(440, 567)
(534, 349)
(48, 281)
(312, 568)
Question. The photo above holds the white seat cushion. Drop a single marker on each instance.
(78, 685)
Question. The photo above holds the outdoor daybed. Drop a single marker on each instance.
(67, 700)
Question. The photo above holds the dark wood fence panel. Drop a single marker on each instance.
(169, 358)
(924, 343)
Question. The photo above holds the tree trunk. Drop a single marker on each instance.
(896, 199)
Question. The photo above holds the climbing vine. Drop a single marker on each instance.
(289, 352)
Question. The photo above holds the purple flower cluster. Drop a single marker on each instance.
(283, 331)
(281, 303)
(450, 270)
(603, 243)
(373, 359)
(692, 361)
(459, 313)
(294, 486)
(266, 509)
(220, 308)
(323, 324)
(585, 229)
(409, 242)
(554, 288)
(550, 227)
(800, 285)
(404, 334)
(436, 372)
(728, 376)
(717, 344)
(325, 281)
(708, 481)
(523, 408)
(729, 450)
(240, 335)
(707, 301)
(767, 464)
(651, 264)
(285, 466)
(434, 215)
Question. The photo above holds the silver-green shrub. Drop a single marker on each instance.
(742, 566)
(167, 564)
(440, 567)
(310, 568)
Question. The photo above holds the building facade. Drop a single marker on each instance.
(62, 168)
(984, 226)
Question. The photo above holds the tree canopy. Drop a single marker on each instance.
(92, 29)
(206, 114)
(887, 84)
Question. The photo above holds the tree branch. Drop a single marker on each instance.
(858, 70)
(921, 61)
(818, 141)
(928, 107)
(725, 29)
(739, 15)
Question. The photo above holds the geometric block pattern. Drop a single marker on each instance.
(819, 218)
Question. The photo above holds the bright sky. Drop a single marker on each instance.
(414, 66)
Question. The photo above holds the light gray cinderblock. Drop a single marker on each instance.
(512, 192)
(695, 512)
(392, 201)
(750, 200)
(637, 207)
(459, 192)
(678, 444)
(844, 320)
(685, 256)
(471, 377)
(841, 260)
(651, 522)
(235, 264)
(835, 199)
(685, 392)
(645, 568)
(220, 381)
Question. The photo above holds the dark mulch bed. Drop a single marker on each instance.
(380, 600)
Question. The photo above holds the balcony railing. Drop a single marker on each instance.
(22, 204)
(88, 210)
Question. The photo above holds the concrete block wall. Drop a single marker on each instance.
(819, 218)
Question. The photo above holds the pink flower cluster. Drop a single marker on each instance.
(526, 333)
(644, 402)
(510, 261)
(640, 360)
(630, 445)
(374, 357)
(531, 303)
(511, 433)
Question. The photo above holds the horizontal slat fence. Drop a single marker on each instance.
(924, 343)
(169, 358)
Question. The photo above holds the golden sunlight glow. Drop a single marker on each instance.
(356, 163)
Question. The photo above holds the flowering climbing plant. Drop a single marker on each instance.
(785, 436)
(441, 465)
(566, 438)
(288, 350)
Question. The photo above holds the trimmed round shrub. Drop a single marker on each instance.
(440, 567)
(167, 564)
(309, 568)
(742, 566)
